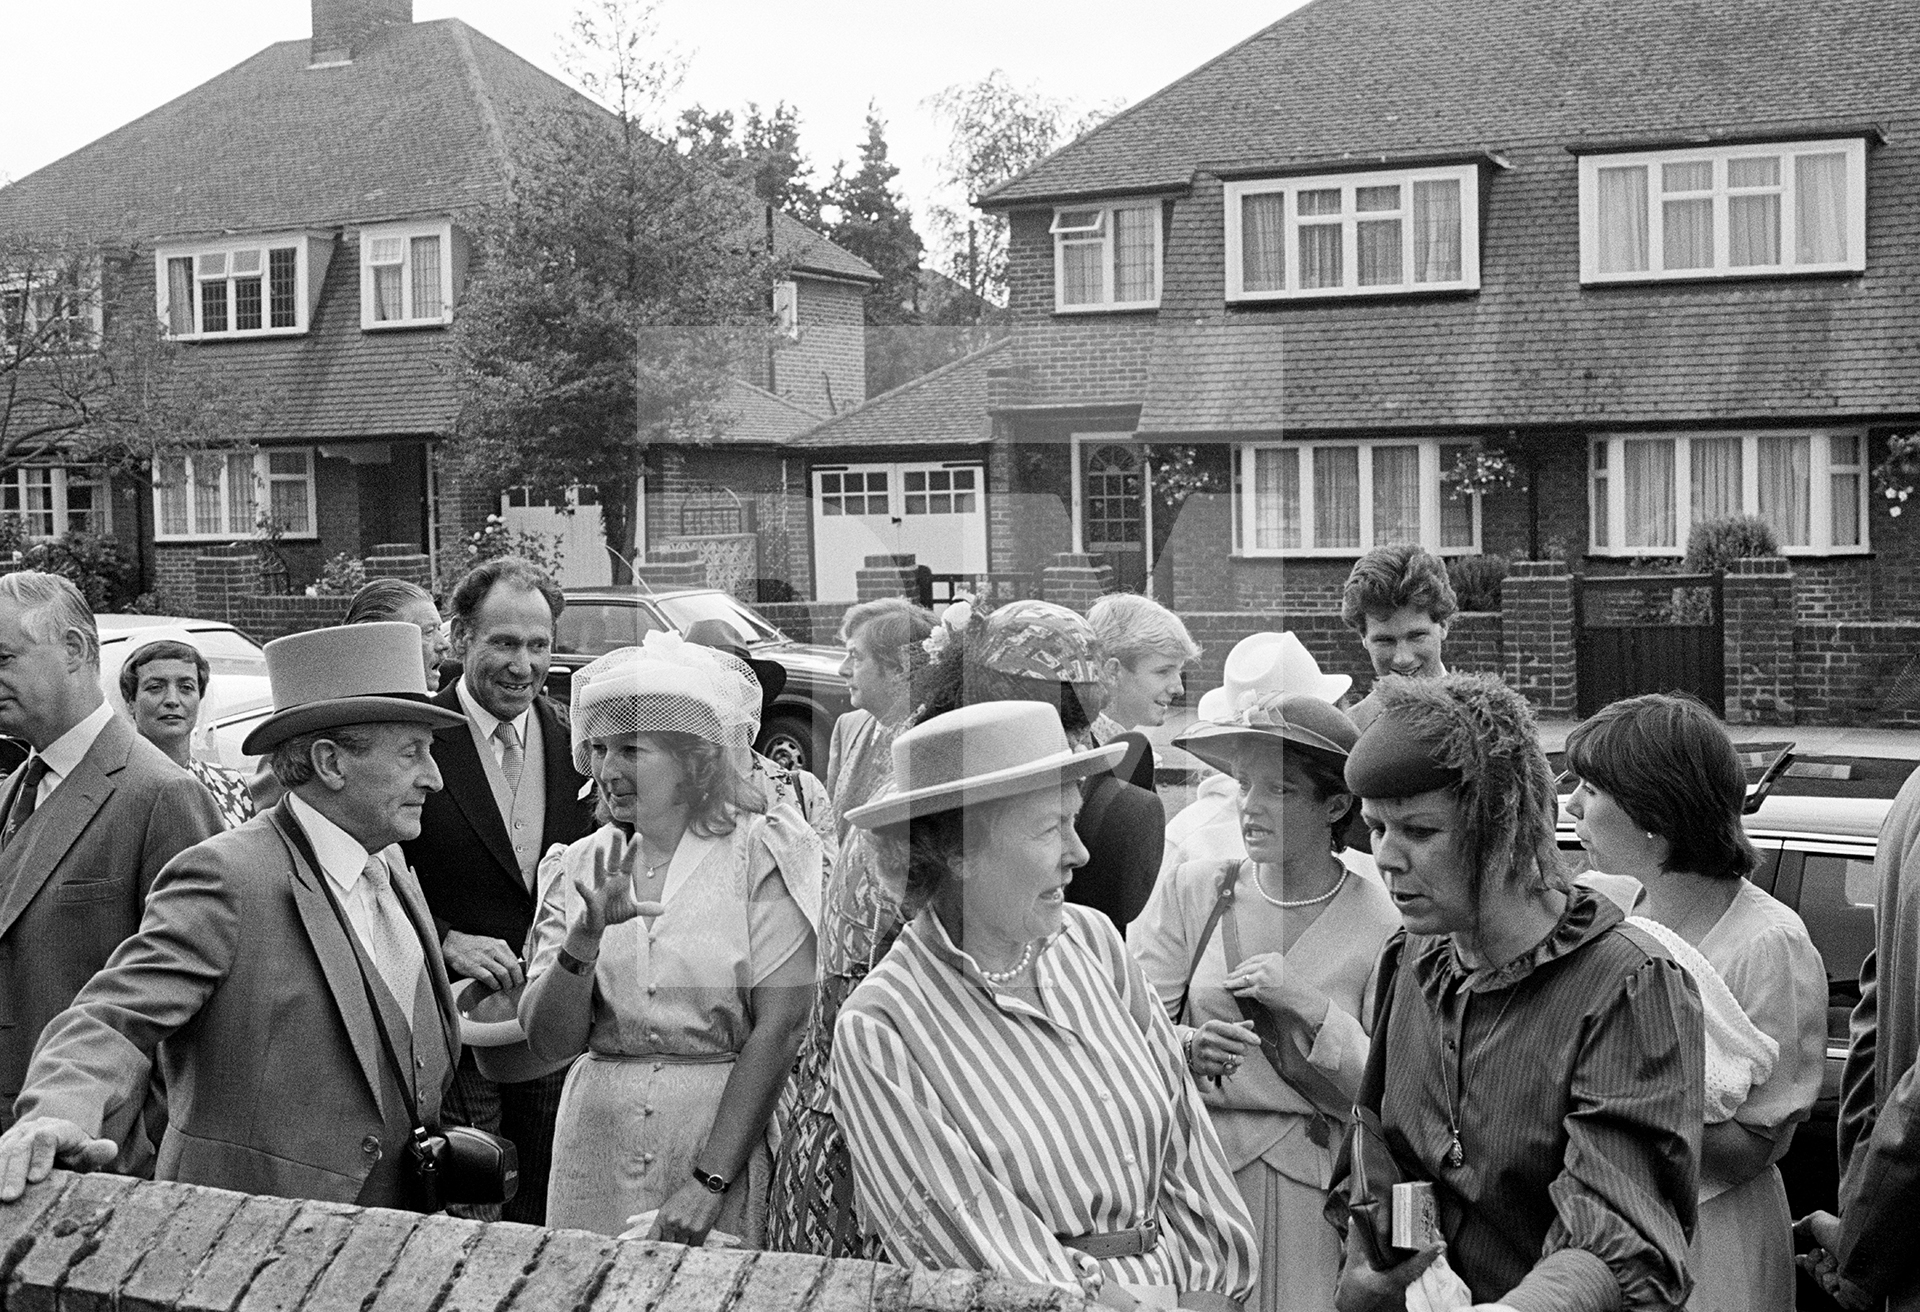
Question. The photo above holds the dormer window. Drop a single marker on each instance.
(1354, 234)
(406, 275)
(1107, 257)
(241, 288)
(1724, 212)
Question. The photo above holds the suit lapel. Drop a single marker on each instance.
(337, 961)
(465, 779)
(563, 781)
(55, 826)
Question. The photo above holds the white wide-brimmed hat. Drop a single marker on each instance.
(1268, 663)
(980, 753)
(349, 674)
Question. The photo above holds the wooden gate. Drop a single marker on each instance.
(1640, 633)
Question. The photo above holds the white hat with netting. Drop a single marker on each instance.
(667, 685)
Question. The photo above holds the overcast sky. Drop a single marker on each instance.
(826, 57)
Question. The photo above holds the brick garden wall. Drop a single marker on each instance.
(1857, 673)
(106, 1243)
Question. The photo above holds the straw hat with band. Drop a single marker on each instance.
(980, 753)
(666, 685)
(350, 674)
(1267, 721)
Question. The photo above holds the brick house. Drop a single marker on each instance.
(303, 220)
(1664, 257)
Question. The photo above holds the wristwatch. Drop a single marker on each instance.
(715, 1184)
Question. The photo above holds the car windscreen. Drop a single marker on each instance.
(687, 611)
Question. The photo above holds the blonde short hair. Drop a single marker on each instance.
(1130, 628)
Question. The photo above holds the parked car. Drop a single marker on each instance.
(1816, 831)
(238, 693)
(798, 725)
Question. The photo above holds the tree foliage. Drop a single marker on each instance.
(996, 129)
(765, 159)
(615, 284)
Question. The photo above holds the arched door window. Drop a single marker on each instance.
(1113, 520)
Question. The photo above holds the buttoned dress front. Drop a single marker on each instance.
(983, 1128)
(671, 1011)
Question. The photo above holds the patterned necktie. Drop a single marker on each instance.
(514, 758)
(395, 948)
(27, 798)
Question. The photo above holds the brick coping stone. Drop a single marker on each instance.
(81, 1243)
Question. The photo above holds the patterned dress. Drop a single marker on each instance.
(228, 788)
(811, 1208)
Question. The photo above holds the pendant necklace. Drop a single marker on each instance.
(1327, 896)
(1011, 972)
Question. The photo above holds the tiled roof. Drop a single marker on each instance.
(759, 417)
(1371, 77)
(945, 407)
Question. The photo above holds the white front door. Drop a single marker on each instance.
(934, 510)
(584, 560)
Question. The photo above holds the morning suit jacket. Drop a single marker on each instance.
(74, 879)
(463, 856)
(254, 992)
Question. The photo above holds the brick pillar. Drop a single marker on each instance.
(1201, 545)
(664, 571)
(400, 560)
(1537, 634)
(1076, 580)
(1757, 616)
(887, 576)
(221, 577)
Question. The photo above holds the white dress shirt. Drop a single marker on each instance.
(344, 862)
(489, 724)
(64, 754)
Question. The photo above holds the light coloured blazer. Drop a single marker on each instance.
(74, 880)
(246, 982)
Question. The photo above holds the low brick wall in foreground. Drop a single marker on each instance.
(91, 1243)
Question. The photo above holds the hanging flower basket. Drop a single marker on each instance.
(1480, 469)
(1895, 477)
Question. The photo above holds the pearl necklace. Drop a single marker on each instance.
(1011, 972)
(1327, 896)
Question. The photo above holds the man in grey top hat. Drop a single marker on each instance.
(286, 976)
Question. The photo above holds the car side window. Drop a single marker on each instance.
(1836, 903)
(595, 628)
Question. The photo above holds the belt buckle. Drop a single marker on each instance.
(1150, 1235)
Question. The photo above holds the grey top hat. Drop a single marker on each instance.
(352, 674)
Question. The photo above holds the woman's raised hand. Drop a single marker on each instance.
(607, 898)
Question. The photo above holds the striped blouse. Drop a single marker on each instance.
(981, 1127)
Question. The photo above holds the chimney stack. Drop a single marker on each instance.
(341, 27)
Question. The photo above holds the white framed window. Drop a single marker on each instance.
(786, 309)
(1346, 498)
(1354, 234)
(1647, 491)
(222, 494)
(1107, 256)
(52, 311)
(243, 288)
(1724, 211)
(406, 275)
(52, 500)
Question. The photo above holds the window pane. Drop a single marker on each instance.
(1456, 512)
(213, 307)
(1324, 201)
(1336, 496)
(86, 502)
(426, 278)
(1845, 493)
(1083, 284)
(1133, 254)
(207, 517)
(1436, 231)
(246, 304)
(240, 496)
(36, 509)
(1378, 245)
(280, 287)
(1692, 175)
(1376, 198)
(1276, 498)
(1843, 449)
(1647, 467)
(180, 296)
(1716, 477)
(1598, 510)
(287, 464)
(1396, 495)
(1623, 220)
(1263, 263)
(1785, 487)
(170, 475)
(387, 292)
(1687, 231)
(1753, 230)
(1820, 208)
(289, 502)
(1754, 171)
(1319, 255)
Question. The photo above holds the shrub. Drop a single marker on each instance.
(13, 537)
(107, 577)
(1715, 544)
(342, 576)
(1476, 581)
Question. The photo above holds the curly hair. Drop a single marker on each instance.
(714, 793)
(1388, 578)
(893, 628)
(1477, 725)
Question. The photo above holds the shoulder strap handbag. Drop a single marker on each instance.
(1365, 1169)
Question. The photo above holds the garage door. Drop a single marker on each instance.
(575, 529)
(936, 511)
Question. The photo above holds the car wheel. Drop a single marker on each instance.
(789, 741)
